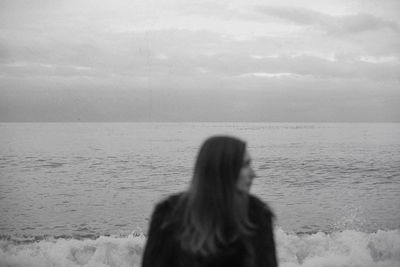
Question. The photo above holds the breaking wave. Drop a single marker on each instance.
(337, 249)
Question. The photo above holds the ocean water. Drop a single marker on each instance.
(80, 194)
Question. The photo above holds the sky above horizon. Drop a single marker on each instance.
(191, 60)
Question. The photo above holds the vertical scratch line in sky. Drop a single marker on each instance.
(148, 70)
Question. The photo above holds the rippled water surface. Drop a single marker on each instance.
(90, 179)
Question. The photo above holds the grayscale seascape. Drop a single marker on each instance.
(83, 182)
(105, 104)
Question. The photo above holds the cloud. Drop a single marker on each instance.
(190, 55)
(25, 69)
(269, 75)
(297, 15)
(371, 59)
(254, 99)
(176, 56)
(333, 24)
(300, 66)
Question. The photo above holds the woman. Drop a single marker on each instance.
(216, 222)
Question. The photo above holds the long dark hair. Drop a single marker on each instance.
(214, 213)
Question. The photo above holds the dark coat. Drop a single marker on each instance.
(163, 250)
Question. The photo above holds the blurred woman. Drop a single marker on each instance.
(216, 222)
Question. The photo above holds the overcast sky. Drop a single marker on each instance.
(186, 60)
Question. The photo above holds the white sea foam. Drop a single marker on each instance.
(339, 249)
(346, 248)
(103, 251)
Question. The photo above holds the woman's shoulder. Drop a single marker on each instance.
(168, 203)
(165, 214)
(259, 206)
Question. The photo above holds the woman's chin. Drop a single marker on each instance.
(244, 190)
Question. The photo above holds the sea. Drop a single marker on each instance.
(81, 194)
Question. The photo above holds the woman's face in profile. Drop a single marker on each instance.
(246, 174)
